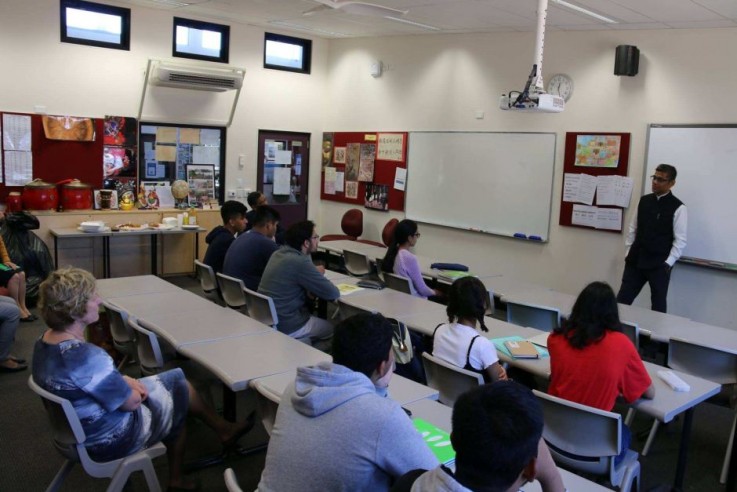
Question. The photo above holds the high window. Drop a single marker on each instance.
(287, 53)
(95, 24)
(201, 40)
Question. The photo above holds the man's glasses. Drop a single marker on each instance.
(658, 179)
(416, 234)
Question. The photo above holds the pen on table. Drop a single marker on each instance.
(520, 235)
(535, 238)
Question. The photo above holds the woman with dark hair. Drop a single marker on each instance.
(457, 341)
(591, 361)
(400, 260)
(120, 415)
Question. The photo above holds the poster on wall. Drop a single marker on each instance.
(366, 165)
(598, 150)
(351, 189)
(201, 180)
(391, 147)
(120, 147)
(339, 155)
(120, 131)
(377, 197)
(327, 149)
(353, 159)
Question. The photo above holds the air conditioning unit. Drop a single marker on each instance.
(199, 78)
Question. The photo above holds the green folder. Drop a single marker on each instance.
(437, 440)
(454, 274)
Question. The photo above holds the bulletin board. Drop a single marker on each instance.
(391, 154)
(57, 160)
(594, 154)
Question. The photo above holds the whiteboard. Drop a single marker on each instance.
(498, 183)
(706, 159)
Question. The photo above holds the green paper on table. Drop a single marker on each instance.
(437, 440)
(499, 344)
(454, 274)
(346, 289)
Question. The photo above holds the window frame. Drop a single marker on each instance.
(306, 45)
(123, 13)
(223, 29)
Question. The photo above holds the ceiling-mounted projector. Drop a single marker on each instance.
(533, 98)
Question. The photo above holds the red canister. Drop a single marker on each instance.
(14, 203)
(75, 195)
(39, 195)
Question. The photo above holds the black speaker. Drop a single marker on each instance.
(626, 60)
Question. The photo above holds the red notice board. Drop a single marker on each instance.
(57, 160)
(384, 169)
(569, 166)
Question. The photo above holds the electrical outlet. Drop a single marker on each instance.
(230, 193)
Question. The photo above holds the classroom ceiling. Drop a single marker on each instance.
(452, 16)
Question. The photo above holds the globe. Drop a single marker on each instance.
(180, 191)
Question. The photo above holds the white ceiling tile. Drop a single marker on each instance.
(613, 10)
(643, 26)
(727, 8)
(670, 10)
(703, 24)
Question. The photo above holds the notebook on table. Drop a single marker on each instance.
(437, 440)
(521, 349)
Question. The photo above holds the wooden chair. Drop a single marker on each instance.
(586, 439)
(208, 281)
(451, 381)
(124, 339)
(261, 307)
(69, 439)
(356, 264)
(397, 282)
(533, 316)
(231, 289)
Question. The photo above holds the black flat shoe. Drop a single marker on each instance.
(17, 360)
(28, 319)
(18, 368)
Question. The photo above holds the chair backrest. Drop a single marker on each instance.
(590, 438)
(122, 333)
(232, 290)
(346, 310)
(357, 264)
(65, 425)
(261, 307)
(705, 362)
(397, 282)
(267, 404)
(387, 235)
(149, 349)
(450, 381)
(532, 316)
(206, 275)
(352, 223)
(632, 330)
(231, 483)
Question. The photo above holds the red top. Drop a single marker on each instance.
(598, 373)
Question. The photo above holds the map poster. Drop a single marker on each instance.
(598, 150)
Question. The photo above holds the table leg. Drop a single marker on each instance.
(154, 254)
(106, 256)
(56, 252)
(229, 409)
(196, 246)
(732, 472)
(683, 450)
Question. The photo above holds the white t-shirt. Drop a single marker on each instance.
(451, 345)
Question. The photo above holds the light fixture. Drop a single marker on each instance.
(577, 8)
(412, 23)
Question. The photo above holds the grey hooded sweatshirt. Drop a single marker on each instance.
(333, 432)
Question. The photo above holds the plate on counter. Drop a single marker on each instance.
(190, 226)
(92, 231)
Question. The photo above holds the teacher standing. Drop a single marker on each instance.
(655, 241)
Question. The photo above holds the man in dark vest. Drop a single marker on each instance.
(656, 239)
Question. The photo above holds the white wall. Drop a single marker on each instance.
(86, 81)
(437, 82)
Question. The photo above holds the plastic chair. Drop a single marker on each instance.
(231, 483)
(231, 289)
(261, 307)
(69, 438)
(632, 330)
(387, 235)
(208, 281)
(586, 439)
(124, 339)
(267, 404)
(397, 282)
(450, 381)
(533, 316)
(707, 363)
(356, 264)
(150, 355)
(351, 225)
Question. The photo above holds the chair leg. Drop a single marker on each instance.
(60, 476)
(728, 454)
(650, 437)
(151, 479)
(123, 362)
(630, 417)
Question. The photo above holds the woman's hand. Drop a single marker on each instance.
(138, 395)
(11, 265)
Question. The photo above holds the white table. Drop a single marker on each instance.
(440, 415)
(401, 389)
(206, 325)
(169, 302)
(237, 361)
(392, 303)
(337, 247)
(131, 286)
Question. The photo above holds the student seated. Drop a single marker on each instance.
(335, 429)
(219, 239)
(591, 361)
(457, 341)
(400, 260)
(9, 317)
(290, 278)
(13, 278)
(256, 199)
(247, 257)
(497, 437)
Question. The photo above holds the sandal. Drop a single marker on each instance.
(230, 444)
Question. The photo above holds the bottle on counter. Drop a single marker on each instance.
(192, 216)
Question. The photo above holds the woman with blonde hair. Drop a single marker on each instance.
(120, 415)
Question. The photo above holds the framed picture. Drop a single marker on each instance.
(377, 196)
(106, 199)
(201, 180)
(597, 150)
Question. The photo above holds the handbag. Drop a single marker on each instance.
(401, 342)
